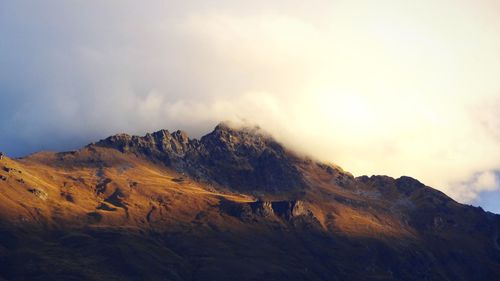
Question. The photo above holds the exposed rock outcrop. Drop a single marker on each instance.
(39, 193)
(244, 159)
(285, 210)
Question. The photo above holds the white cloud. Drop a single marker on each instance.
(481, 182)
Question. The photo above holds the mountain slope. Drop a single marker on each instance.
(235, 204)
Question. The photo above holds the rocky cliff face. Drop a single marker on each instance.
(283, 210)
(161, 145)
(244, 159)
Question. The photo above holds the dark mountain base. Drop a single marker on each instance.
(203, 253)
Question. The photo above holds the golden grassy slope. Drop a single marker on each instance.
(102, 187)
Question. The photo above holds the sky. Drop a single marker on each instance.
(393, 87)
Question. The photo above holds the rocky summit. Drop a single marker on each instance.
(232, 205)
(245, 159)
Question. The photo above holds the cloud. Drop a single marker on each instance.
(396, 87)
(484, 182)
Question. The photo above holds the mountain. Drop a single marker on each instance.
(245, 159)
(233, 205)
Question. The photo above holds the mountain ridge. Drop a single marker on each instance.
(245, 154)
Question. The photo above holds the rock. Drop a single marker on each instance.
(178, 180)
(39, 193)
(105, 207)
(262, 208)
(244, 159)
(239, 210)
(289, 209)
(438, 223)
(68, 197)
(298, 209)
(102, 186)
(408, 185)
(286, 210)
(117, 199)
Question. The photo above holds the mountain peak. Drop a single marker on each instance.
(230, 132)
(242, 157)
(226, 126)
(234, 137)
